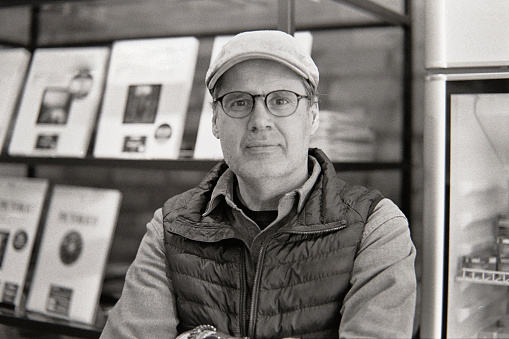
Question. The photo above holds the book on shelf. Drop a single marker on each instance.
(146, 98)
(13, 68)
(207, 146)
(21, 207)
(73, 253)
(59, 104)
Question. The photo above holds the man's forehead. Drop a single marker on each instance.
(261, 73)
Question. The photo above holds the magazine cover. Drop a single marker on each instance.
(60, 102)
(73, 254)
(207, 146)
(146, 98)
(13, 67)
(21, 205)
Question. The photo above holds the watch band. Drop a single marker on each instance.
(197, 332)
(213, 335)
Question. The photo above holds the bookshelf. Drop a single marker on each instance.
(61, 23)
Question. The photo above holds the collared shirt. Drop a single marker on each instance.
(380, 303)
(225, 187)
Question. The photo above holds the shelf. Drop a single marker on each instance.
(42, 324)
(479, 276)
(186, 164)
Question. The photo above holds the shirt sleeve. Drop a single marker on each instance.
(146, 308)
(381, 301)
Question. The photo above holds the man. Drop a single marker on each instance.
(271, 244)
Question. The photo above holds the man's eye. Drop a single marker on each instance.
(281, 101)
(238, 104)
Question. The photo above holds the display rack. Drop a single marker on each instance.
(285, 18)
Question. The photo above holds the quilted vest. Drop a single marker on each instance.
(289, 283)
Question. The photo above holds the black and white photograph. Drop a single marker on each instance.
(254, 169)
(142, 102)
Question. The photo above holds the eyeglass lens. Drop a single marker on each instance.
(279, 103)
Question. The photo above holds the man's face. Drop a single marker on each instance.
(261, 144)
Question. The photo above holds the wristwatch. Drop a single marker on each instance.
(209, 332)
(213, 335)
(202, 332)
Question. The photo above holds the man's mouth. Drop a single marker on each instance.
(261, 146)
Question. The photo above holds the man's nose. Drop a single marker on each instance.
(260, 118)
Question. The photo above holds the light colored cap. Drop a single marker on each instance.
(266, 44)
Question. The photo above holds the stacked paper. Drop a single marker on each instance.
(345, 136)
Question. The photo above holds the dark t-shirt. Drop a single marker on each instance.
(261, 218)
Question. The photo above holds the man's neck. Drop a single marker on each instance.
(262, 194)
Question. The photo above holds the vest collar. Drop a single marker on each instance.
(225, 187)
(319, 200)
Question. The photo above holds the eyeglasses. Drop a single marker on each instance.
(279, 103)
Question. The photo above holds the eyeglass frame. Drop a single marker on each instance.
(264, 96)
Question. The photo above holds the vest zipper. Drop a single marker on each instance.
(258, 273)
(254, 294)
(243, 319)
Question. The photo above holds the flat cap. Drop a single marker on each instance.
(265, 44)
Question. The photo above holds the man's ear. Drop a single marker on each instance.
(316, 118)
(215, 130)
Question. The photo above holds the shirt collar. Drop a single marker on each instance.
(225, 187)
